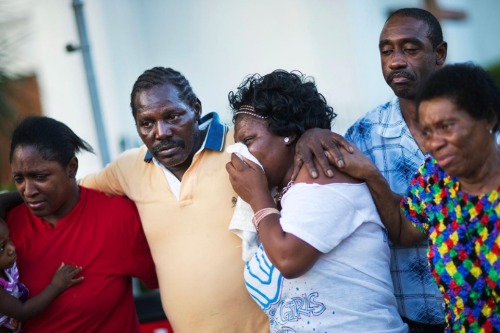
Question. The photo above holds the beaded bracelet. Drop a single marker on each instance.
(261, 214)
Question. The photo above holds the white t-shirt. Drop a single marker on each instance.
(349, 288)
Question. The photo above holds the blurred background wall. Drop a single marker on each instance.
(215, 44)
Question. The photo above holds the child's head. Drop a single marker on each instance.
(7, 249)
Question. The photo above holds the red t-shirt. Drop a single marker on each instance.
(102, 234)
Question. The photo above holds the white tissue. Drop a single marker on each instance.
(242, 151)
(241, 222)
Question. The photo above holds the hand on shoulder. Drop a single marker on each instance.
(340, 177)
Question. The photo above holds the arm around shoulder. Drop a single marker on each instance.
(320, 147)
(400, 229)
(114, 178)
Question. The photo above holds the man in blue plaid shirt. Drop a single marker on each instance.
(411, 48)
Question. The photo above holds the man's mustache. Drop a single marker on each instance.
(168, 143)
(401, 73)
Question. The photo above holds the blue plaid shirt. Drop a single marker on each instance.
(383, 136)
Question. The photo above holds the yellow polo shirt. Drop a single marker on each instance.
(198, 261)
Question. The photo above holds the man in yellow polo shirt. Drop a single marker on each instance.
(179, 183)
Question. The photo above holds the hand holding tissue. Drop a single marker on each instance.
(241, 222)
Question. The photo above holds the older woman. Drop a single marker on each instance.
(454, 198)
(310, 272)
(63, 222)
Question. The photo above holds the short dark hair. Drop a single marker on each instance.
(469, 86)
(434, 32)
(290, 101)
(159, 76)
(54, 140)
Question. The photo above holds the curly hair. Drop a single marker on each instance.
(289, 100)
(469, 86)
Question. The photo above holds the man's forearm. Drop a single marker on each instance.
(387, 203)
(399, 228)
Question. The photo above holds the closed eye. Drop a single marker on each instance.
(410, 51)
(386, 52)
(246, 141)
